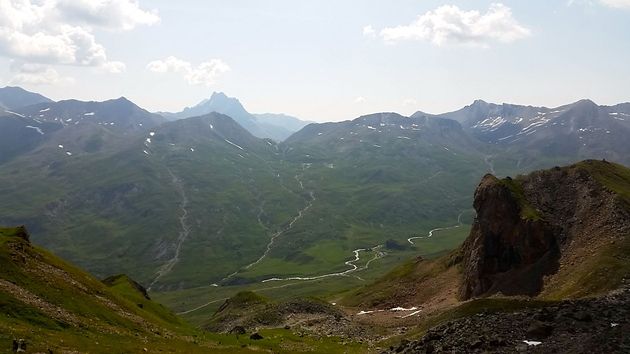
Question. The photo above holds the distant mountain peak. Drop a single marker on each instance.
(585, 102)
(13, 97)
(122, 100)
(219, 94)
(479, 103)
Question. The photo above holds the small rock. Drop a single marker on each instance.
(539, 330)
(237, 330)
(256, 336)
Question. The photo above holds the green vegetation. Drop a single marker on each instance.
(55, 306)
(528, 212)
(614, 177)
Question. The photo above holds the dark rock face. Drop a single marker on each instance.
(505, 252)
(534, 231)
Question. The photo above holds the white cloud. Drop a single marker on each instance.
(205, 73)
(114, 67)
(360, 99)
(61, 31)
(109, 14)
(618, 4)
(369, 31)
(449, 24)
(36, 74)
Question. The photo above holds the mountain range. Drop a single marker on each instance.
(202, 201)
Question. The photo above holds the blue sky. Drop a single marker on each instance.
(319, 60)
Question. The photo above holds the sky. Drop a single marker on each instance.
(320, 60)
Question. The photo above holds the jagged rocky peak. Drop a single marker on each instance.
(510, 246)
(535, 234)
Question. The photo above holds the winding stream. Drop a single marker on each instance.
(377, 254)
(279, 233)
(183, 233)
(459, 224)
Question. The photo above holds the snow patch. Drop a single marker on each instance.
(68, 153)
(88, 114)
(60, 146)
(231, 143)
(36, 128)
(151, 133)
(368, 312)
(17, 114)
(532, 342)
(490, 124)
(44, 110)
(403, 309)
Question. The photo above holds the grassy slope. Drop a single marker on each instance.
(605, 270)
(98, 318)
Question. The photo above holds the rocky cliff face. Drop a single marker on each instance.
(536, 230)
(506, 251)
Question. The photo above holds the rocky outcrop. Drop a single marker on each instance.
(538, 231)
(507, 251)
(597, 325)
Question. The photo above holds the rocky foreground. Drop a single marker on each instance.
(600, 325)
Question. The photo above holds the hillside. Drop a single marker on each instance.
(52, 306)
(55, 306)
(537, 239)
